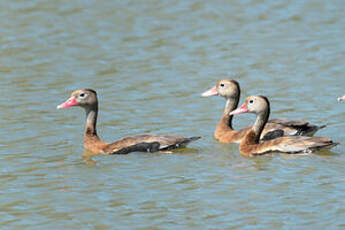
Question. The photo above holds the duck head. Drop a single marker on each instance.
(85, 98)
(253, 104)
(227, 88)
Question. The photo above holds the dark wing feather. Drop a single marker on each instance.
(147, 143)
(273, 134)
(140, 147)
(296, 127)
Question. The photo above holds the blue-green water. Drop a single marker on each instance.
(149, 61)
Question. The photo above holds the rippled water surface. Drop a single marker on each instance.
(149, 61)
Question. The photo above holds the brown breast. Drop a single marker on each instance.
(94, 144)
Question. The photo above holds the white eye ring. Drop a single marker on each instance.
(83, 95)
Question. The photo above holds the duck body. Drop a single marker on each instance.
(87, 99)
(224, 133)
(286, 144)
(251, 144)
(147, 143)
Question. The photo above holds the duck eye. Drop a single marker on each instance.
(82, 95)
(251, 101)
(222, 85)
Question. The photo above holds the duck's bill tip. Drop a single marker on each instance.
(209, 93)
(70, 102)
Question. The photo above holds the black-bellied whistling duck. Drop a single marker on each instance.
(251, 145)
(341, 98)
(87, 99)
(230, 90)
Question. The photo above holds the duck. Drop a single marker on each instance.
(341, 98)
(87, 99)
(224, 133)
(252, 146)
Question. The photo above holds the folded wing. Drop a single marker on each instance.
(147, 143)
(295, 144)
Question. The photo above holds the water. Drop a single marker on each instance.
(149, 61)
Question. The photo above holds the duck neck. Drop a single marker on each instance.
(230, 105)
(91, 121)
(259, 125)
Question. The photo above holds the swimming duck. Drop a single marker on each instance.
(87, 99)
(251, 145)
(230, 90)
